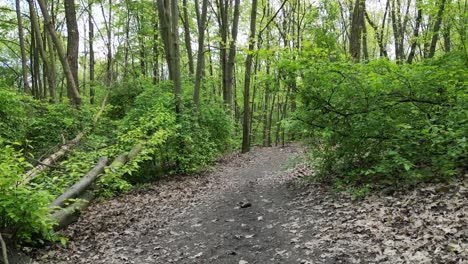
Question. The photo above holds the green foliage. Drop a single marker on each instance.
(184, 143)
(41, 124)
(23, 209)
(13, 124)
(380, 122)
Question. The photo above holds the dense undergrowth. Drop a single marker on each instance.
(379, 123)
(367, 124)
(172, 144)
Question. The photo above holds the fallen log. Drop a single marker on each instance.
(46, 163)
(122, 159)
(70, 214)
(83, 184)
(81, 191)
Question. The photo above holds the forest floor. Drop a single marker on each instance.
(249, 209)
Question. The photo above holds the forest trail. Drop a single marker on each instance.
(240, 213)
(250, 210)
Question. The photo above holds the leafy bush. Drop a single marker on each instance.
(24, 214)
(13, 125)
(41, 124)
(380, 122)
(173, 143)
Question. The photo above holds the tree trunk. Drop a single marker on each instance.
(436, 29)
(356, 30)
(40, 49)
(74, 92)
(73, 39)
(24, 67)
(248, 68)
(200, 53)
(188, 40)
(78, 188)
(91, 55)
(414, 39)
(232, 54)
(169, 18)
(155, 52)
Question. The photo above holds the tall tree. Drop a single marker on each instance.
(248, 67)
(71, 85)
(201, 51)
(169, 18)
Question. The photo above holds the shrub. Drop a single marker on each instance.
(24, 214)
(380, 122)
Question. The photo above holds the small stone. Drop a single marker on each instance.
(245, 205)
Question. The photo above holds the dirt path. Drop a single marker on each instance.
(249, 210)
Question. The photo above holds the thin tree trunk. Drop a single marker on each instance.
(248, 69)
(232, 54)
(436, 29)
(414, 39)
(24, 67)
(91, 55)
(155, 52)
(40, 49)
(187, 37)
(141, 40)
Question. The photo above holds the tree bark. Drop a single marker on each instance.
(248, 69)
(73, 39)
(356, 30)
(74, 92)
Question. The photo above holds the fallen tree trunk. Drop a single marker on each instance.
(122, 159)
(78, 188)
(70, 214)
(46, 163)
